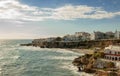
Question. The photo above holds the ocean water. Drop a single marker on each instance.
(16, 60)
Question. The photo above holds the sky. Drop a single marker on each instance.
(29, 19)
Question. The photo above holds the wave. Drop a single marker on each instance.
(73, 69)
(60, 57)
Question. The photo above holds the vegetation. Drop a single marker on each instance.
(58, 39)
(90, 63)
(110, 65)
(98, 55)
(112, 74)
(88, 55)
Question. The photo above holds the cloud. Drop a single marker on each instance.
(82, 11)
(14, 10)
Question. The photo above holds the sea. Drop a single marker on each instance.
(16, 60)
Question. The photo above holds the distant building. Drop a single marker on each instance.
(78, 36)
(112, 52)
(98, 35)
(110, 35)
(70, 38)
(83, 35)
(101, 35)
(117, 34)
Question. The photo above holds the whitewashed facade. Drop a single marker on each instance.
(83, 35)
(97, 35)
(112, 53)
(117, 34)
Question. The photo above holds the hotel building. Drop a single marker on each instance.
(112, 52)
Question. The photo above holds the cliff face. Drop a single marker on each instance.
(96, 64)
(81, 44)
(90, 63)
(85, 63)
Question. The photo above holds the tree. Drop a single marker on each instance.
(58, 39)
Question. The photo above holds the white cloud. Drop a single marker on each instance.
(82, 11)
(13, 10)
(19, 25)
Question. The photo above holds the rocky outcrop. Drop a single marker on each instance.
(104, 73)
(91, 63)
(84, 63)
(73, 44)
(29, 44)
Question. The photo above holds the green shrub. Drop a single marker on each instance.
(110, 65)
(98, 55)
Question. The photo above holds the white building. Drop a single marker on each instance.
(112, 52)
(78, 36)
(110, 35)
(70, 38)
(117, 34)
(83, 35)
(97, 35)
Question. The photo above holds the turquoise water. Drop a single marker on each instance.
(18, 60)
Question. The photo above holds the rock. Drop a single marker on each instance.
(30, 44)
(89, 71)
(112, 74)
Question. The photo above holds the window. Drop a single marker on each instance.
(112, 58)
(105, 57)
(115, 58)
(110, 52)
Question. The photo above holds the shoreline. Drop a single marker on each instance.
(83, 51)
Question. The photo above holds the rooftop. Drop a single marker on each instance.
(114, 47)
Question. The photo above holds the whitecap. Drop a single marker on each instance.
(69, 66)
(15, 57)
(61, 57)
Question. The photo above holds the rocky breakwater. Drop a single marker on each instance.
(29, 44)
(95, 64)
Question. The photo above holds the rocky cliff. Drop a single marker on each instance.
(94, 63)
(72, 44)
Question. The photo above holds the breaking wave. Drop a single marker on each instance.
(18, 60)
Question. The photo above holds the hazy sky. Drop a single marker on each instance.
(45, 18)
